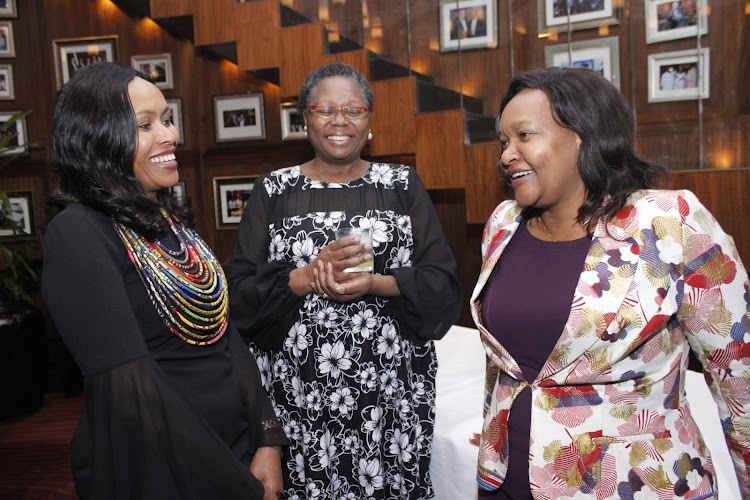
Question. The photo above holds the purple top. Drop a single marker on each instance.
(525, 306)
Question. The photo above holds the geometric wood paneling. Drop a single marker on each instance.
(394, 97)
(726, 194)
(484, 190)
(440, 149)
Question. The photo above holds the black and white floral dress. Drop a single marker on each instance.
(352, 383)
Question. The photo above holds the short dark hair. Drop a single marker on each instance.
(583, 101)
(92, 147)
(328, 71)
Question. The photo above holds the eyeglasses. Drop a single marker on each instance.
(349, 112)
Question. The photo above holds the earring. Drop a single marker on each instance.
(369, 135)
(305, 130)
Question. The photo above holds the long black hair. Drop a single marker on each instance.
(93, 145)
(585, 102)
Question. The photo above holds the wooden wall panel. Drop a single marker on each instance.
(358, 59)
(440, 149)
(394, 98)
(301, 50)
(258, 43)
(171, 8)
(725, 194)
(484, 190)
(743, 140)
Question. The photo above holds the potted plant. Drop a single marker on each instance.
(23, 347)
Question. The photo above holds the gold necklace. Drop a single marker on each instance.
(544, 226)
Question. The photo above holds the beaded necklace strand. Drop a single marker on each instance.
(186, 286)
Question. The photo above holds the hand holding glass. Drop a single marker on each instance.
(365, 237)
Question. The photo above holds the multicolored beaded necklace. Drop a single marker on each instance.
(187, 287)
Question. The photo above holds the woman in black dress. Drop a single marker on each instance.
(174, 406)
(347, 357)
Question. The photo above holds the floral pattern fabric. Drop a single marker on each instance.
(354, 394)
(609, 414)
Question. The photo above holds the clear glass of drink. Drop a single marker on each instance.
(365, 236)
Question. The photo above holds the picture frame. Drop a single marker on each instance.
(664, 23)
(72, 54)
(18, 127)
(175, 104)
(180, 189)
(8, 9)
(7, 90)
(467, 24)
(239, 117)
(7, 43)
(230, 198)
(553, 15)
(600, 54)
(22, 212)
(158, 66)
(292, 122)
(679, 76)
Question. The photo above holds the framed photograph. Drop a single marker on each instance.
(557, 15)
(8, 8)
(239, 117)
(17, 131)
(179, 189)
(670, 19)
(292, 123)
(467, 24)
(679, 76)
(176, 106)
(72, 54)
(7, 45)
(601, 54)
(7, 92)
(230, 198)
(158, 66)
(21, 212)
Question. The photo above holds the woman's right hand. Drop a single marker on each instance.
(342, 254)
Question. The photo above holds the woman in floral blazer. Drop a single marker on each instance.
(639, 278)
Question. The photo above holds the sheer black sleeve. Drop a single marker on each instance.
(431, 294)
(261, 304)
(265, 429)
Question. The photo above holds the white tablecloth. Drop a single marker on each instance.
(460, 384)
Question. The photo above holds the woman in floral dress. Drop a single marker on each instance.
(347, 357)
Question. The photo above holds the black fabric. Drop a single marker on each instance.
(352, 382)
(163, 418)
(263, 307)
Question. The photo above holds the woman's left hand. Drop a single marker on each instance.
(266, 467)
(326, 286)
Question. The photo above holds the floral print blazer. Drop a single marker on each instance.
(609, 417)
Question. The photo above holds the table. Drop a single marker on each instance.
(458, 414)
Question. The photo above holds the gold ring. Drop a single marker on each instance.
(325, 295)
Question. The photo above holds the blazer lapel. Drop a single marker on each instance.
(497, 354)
(607, 276)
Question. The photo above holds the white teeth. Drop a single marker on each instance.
(338, 137)
(163, 158)
(520, 174)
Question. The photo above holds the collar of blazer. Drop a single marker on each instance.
(608, 272)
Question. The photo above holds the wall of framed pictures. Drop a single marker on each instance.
(466, 46)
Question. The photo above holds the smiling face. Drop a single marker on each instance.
(539, 155)
(154, 164)
(337, 140)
